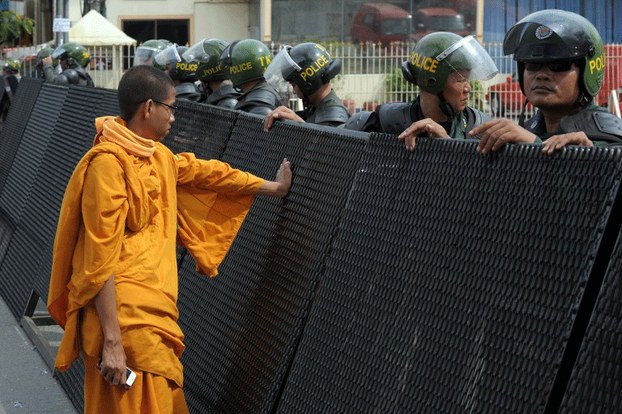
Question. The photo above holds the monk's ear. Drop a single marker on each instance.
(146, 108)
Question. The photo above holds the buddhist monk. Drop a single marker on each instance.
(114, 277)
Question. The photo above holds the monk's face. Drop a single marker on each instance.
(162, 116)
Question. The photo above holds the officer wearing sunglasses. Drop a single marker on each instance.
(561, 65)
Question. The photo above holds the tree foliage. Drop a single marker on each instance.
(14, 28)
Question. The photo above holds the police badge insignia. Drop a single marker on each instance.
(542, 32)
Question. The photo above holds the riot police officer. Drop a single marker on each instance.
(10, 80)
(308, 67)
(73, 59)
(247, 60)
(213, 75)
(441, 64)
(37, 71)
(561, 64)
(182, 72)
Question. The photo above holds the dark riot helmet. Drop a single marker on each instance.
(171, 58)
(207, 54)
(554, 35)
(309, 66)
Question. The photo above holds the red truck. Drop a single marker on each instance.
(386, 23)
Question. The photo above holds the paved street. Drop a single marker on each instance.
(26, 383)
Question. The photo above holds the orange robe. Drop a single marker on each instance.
(120, 217)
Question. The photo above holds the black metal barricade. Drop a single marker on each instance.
(243, 326)
(438, 280)
(455, 280)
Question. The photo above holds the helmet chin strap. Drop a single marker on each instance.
(445, 106)
(521, 117)
(583, 100)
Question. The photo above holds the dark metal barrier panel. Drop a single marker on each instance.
(596, 381)
(70, 140)
(454, 280)
(243, 326)
(64, 139)
(72, 382)
(437, 280)
(15, 282)
(202, 129)
(30, 147)
(10, 139)
(13, 127)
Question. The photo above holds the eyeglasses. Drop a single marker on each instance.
(558, 66)
(171, 108)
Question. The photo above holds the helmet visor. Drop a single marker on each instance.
(282, 67)
(468, 56)
(168, 56)
(195, 52)
(144, 55)
(58, 52)
(280, 70)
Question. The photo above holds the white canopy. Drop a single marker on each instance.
(93, 29)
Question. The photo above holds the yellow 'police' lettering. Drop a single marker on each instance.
(598, 63)
(424, 62)
(186, 66)
(322, 48)
(314, 68)
(242, 67)
(212, 71)
(264, 61)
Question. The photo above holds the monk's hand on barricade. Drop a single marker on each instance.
(284, 177)
(497, 132)
(282, 112)
(280, 186)
(422, 128)
(557, 142)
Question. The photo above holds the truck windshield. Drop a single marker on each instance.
(396, 26)
(445, 23)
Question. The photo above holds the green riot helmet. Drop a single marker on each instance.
(553, 35)
(246, 60)
(183, 70)
(207, 54)
(75, 54)
(309, 67)
(43, 53)
(145, 53)
(12, 66)
(438, 54)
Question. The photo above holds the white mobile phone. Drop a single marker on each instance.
(130, 376)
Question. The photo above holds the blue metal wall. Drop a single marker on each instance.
(500, 15)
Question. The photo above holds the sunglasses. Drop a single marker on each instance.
(558, 66)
